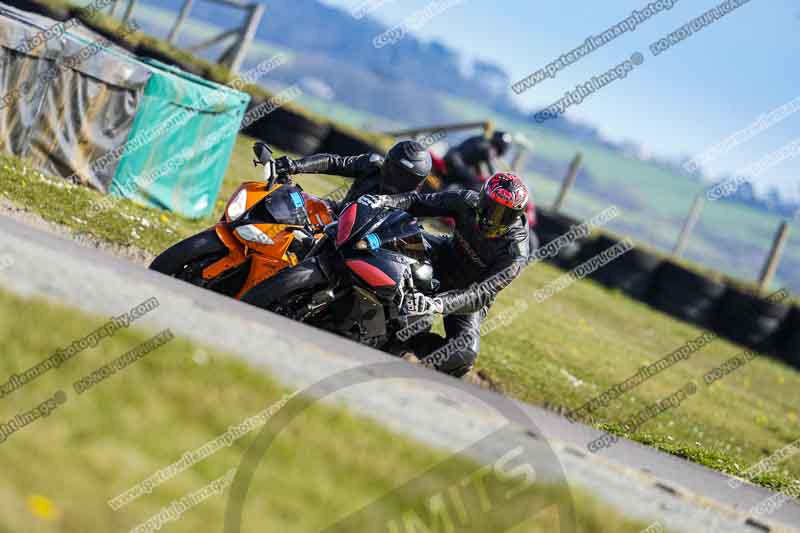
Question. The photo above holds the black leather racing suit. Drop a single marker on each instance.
(365, 169)
(472, 269)
(463, 160)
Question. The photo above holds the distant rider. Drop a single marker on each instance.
(404, 168)
(488, 250)
(463, 161)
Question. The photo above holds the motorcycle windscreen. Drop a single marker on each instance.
(401, 233)
(286, 205)
(346, 222)
(359, 219)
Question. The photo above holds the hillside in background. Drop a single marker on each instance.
(402, 82)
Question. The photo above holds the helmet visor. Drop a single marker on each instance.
(495, 219)
(399, 179)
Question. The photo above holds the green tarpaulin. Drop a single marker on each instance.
(176, 153)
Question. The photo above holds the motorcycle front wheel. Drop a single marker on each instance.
(186, 259)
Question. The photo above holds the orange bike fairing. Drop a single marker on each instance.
(319, 213)
(265, 259)
(256, 191)
(236, 253)
(239, 250)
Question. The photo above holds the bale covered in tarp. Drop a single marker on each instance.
(81, 108)
(58, 107)
(181, 142)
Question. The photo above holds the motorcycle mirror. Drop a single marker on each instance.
(263, 153)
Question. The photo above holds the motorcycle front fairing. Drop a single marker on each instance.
(286, 205)
(380, 246)
(267, 224)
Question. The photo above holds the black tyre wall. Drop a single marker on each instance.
(749, 320)
(684, 294)
(287, 130)
(550, 226)
(788, 339)
(632, 272)
(339, 142)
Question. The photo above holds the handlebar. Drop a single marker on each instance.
(264, 157)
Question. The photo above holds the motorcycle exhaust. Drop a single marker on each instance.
(320, 299)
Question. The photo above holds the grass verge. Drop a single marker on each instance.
(59, 471)
(575, 345)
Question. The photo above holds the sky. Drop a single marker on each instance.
(688, 98)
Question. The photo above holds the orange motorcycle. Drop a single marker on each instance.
(266, 227)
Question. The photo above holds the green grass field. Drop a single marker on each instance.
(576, 344)
(558, 354)
(59, 471)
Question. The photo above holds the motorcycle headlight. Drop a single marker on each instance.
(238, 205)
(253, 234)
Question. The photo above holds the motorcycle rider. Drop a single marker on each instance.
(488, 250)
(406, 165)
(464, 159)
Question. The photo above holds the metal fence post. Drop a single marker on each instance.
(774, 257)
(566, 185)
(128, 11)
(688, 225)
(184, 13)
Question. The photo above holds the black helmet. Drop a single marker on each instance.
(407, 165)
(501, 141)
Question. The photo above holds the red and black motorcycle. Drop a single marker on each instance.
(355, 280)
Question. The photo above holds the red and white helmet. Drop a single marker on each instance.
(503, 198)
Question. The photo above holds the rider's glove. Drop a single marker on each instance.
(417, 303)
(284, 165)
(376, 201)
